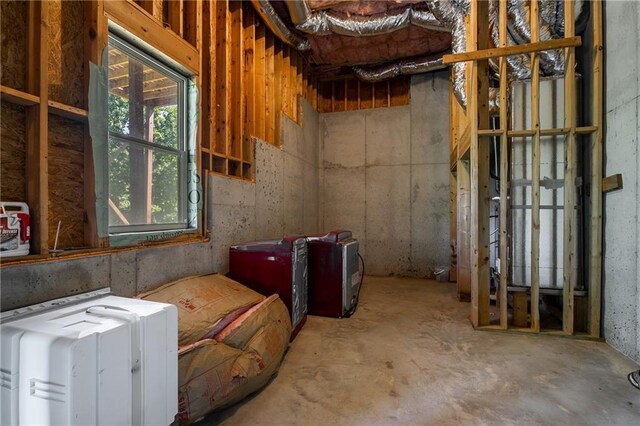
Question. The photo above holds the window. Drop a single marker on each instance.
(147, 148)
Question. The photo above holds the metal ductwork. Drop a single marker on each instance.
(323, 22)
(404, 67)
(279, 28)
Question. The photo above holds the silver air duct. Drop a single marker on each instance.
(404, 67)
(325, 22)
(279, 29)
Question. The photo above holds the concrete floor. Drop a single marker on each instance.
(410, 356)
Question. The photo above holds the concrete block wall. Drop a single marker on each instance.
(621, 265)
(386, 178)
(283, 199)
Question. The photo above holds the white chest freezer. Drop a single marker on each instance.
(93, 360)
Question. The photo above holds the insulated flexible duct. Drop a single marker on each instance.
(279, 28)
(405, 67)
(323, 22)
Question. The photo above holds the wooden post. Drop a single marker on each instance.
(595, 244)
(504, 169)
(570, 230)
(535, 172)
(37, 125)
(478, 108)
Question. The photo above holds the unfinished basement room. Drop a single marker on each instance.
(320, 212)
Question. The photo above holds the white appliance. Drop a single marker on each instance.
(94, 359)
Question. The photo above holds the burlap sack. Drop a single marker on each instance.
(203, 302)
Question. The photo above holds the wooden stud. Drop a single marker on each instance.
(190, 21)
(279, 95)
(37, 126)
(535, 171)
(175, 16)
(519, 309)
(235, 76)
(504, 170)
(248, 83)
(478, 107)
(285, 85)
(519, 49)
(260, 82)
(270, 112)
(597, 185)
(222, 77)
(570, 230)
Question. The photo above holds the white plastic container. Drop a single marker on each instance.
(105, 361)
(15, 229)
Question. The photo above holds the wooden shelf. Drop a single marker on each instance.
(18, 97)
(67, 111)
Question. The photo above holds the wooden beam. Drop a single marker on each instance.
(597, 185)
(570, 229)
(611, 183)
(512, 50)
(67, 111)
(128, 15)
(504, 169)
(535, 170)
(478, 109)
(37, 125)
(18, 97)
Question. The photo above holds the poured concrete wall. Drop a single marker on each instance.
(621, 267)
(386, 178)
(283, 199)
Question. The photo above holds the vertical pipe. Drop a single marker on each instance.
(569, 280)
(535, 170)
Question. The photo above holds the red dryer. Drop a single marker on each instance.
(334, 276)
(277, 266)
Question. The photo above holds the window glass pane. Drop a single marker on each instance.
(143, 185)
(143, 100)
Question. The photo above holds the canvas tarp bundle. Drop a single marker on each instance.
(204, 304)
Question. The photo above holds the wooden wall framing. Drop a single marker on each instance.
(470, 133)
(347, 93)
(246, 77)
(257, 78)
(44, 94)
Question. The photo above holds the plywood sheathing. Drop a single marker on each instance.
(13, 152)
(66, 49)
(66, 186)
(13, 19)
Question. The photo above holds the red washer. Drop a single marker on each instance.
(277, 266)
